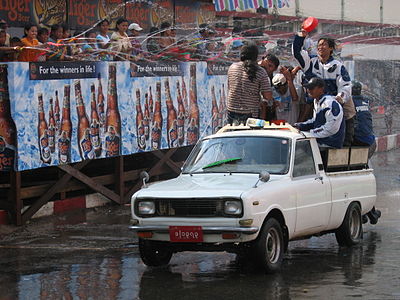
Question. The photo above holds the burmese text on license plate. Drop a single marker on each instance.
(186, 233)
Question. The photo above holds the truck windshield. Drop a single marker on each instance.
(243, 154)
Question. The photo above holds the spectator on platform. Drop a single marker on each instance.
(43, 35)
(89, 44)
(120, 40)
(167, 36)
(15, 43)
(201, 41)
(57, 51)
(103, 40)
(30, 51)
(135, 31)
(4, 26)
(153, 46)
(6, 53)
(67, 39)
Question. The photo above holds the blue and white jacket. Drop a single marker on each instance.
(327, 124)
(363, 131)
(334, 73)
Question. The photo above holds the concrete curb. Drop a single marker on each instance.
(387, 142)
(384, 143)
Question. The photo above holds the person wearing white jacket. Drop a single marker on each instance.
(332, 71)
(327, 123)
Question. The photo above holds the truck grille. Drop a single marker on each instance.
(194, 207)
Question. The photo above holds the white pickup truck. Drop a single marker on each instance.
(251, 189)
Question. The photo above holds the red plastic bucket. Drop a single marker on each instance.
(310, 24)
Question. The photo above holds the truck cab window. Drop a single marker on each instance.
(304, 160)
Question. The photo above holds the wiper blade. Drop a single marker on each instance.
(221, 162)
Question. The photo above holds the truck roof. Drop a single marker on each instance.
(257, 127)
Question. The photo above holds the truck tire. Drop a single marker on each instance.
(154, 254)
(269, 246)
(350, 232)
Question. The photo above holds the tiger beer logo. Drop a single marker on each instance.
(173, 135)
(86, 146)
(156, 136)
(192, 133)
(110, 9)
(141, 138)
(180, 125)
(48, 12)
(112, 142)
(2, 144)
(44, 148)
(64, 144)
(94, 134)
(7, 156)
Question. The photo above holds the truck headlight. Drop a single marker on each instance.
(146, 208)
(233, 207)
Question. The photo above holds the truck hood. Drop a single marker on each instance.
(202, 185)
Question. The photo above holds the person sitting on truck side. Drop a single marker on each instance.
(327, 123)
(332, 71)
(363, 132)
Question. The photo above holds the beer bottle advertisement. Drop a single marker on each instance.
(113, 118)
(193, 130)
(43, 137)
(64, 140)
(172, 129)
(52, 128)
(100, 104)
(106, 114)
(156, 126)
(181, 115)
(94, 122)
(57, 113)
(146, 117)
(214, 111)
(84, 142)
(140, 134)
(8, 130)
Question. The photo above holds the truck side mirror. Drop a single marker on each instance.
(144, 176)
(264, 176)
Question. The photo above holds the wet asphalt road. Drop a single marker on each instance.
(92, 255)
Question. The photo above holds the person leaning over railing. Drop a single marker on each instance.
(56, 50)
(30, 50)
(103, 40)
(121, 44)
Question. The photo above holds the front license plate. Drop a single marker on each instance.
(189, 234)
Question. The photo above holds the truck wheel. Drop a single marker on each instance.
(350, 232)
(154, 254)
(269, 246)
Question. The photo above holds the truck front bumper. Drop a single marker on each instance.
(205, 229)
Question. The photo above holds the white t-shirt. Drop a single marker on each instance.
(287, 110)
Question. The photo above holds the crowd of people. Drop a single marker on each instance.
(338, 114)
(127, 41)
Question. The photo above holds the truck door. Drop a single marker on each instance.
(313, 205)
